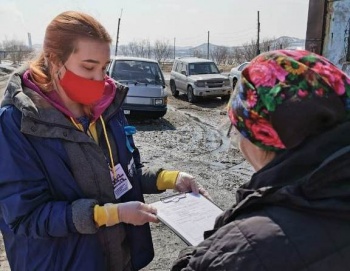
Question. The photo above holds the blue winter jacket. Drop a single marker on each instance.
(51, 177)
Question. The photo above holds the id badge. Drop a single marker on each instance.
(121, 183)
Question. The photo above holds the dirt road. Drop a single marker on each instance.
(191, 138)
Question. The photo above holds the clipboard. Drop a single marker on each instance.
(187, 215)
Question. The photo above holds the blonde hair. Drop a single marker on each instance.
(60, 41)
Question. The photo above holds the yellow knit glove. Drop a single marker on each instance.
(106, 215)
(166, 179)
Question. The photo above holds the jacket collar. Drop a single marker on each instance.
(33, 103)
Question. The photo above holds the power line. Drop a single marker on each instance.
(226, 34)
(237, 32)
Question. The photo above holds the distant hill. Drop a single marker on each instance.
(293, 43)
(182, 51)
(188, 50)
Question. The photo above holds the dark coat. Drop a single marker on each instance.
(293, 215)
(51, 177)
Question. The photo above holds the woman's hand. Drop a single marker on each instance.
(187, 183)
(136, 213)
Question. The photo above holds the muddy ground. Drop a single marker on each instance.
(191, 138)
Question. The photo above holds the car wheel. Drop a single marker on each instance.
(173, 89)
(190, 96)
(234, 82)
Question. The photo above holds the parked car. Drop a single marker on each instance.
(147, 95)
(198, 77)
(235, 74)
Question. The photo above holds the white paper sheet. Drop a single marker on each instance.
(188, 215)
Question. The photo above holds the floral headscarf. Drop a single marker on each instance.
(285, 96)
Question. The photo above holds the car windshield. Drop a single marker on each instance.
(240, 68)
(203, 68)
(135, 71)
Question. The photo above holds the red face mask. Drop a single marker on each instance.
(80, 89)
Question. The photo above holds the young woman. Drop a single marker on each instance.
(291, 110)
(71, 180)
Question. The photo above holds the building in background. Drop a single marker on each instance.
(328, 28)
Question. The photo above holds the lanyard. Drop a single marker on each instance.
(107, 141)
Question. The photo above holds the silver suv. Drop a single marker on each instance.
(198, 77)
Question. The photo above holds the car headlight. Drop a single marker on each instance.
(200, 84)
(158, 101)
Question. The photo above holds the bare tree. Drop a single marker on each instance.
(162, 50)
(237, 56)
(137, 48)
(124, 49)
(129, 49)
(16, 50)
(219, 54)
(143, 49)
(244, 53)
(249, 50)
(2, 53)
(267, 45)
(274, 44)
(132, 46)
(197, 53)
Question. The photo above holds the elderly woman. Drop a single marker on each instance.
(291, 110)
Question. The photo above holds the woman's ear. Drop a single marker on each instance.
(256, 156)
(46, 62)
(54, 63)
(57, 70)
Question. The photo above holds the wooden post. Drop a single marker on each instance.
(258, 38)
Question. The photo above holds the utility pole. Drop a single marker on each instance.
(348, 41)
(116, 44)
(174, 47)
(208, 47)
(348, 51)
(258, 40)
(30, 41)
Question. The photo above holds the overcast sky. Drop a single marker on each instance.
(230, 22)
